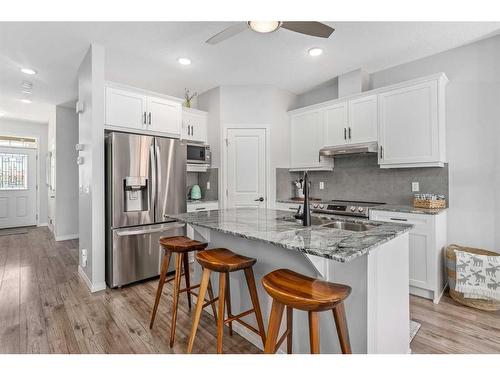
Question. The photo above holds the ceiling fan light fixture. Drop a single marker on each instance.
(315, 51)
(264, 27)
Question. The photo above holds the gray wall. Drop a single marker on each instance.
(360, 178)
(37, 130)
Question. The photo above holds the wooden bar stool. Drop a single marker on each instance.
(296, 291)
(225, 261)
(181, 246)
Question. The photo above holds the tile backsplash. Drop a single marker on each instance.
(360, 178)
(201, 178)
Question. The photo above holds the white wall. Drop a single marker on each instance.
(91, 172)
(472, 132)
(51, 147)
(39, 131)
(250, 105)
(66, 208)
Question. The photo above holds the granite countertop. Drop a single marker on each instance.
(265, 225)
(408, 209)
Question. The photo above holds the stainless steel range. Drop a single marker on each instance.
(340, 207)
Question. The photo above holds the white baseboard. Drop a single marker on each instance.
(43, 224)
(66, 237)
(438, 298)
(93, 288)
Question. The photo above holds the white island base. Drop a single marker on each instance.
(377, 310)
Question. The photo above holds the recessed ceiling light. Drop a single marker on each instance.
(315, 51)
(264, 26)
(27, 101)
(184, 61)
(28, 71)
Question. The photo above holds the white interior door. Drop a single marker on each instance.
(18, 177)
(246, 160)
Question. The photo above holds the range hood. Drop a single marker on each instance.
(347, 149)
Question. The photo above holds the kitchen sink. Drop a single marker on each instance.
(335, 224)
(355, 227)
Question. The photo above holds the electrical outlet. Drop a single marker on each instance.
(321, 185)
(208, 185)
(415, 187)
(84, 257)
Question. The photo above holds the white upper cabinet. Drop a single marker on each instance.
(164, 116)
(362, 119)
(194, 125)
(125, 108)
(139, 111)
(307, 138)
(412, 125)
(335, 120)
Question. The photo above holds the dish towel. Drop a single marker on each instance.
(478, 276)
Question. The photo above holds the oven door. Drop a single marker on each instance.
(198, 154)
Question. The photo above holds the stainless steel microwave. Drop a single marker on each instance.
(198, 154)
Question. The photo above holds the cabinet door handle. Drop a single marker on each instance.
(201, 208)
(349, 132)
(398, 219)
(192, 130)
(381, 152)
(145, 122)
(149, 121)
(345, 134)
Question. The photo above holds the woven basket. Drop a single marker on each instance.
(451, 259)
(429, 203)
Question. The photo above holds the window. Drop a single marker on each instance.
(8, 141)
(13, 171)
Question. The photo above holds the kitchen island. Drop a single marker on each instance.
(374, 262)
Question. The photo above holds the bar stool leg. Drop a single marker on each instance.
(255, 302)
(205, 280)
(161, 282)
(289, 327)
(220, 320)
(177, 285)
(185, 261)
(228, 303)
(314, 331)
(211, 296)
(274, 326)
(341, 324)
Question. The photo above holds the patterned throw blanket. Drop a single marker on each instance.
(478, 276)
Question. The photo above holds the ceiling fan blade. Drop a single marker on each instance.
(228, 33)
(312, 28)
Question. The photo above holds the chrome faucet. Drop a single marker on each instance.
(306, 211)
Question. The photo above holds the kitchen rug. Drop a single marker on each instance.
(414, 327)
(10, 231)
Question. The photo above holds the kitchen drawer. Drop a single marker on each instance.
(292, 207)
(195, 207)
(420, 221)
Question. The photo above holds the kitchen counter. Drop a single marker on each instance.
(409, 209)
(265, 225)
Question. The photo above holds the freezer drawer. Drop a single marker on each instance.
(135, 252)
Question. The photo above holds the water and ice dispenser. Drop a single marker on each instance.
(136, 194)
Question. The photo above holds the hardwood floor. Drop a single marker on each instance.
(46, 308)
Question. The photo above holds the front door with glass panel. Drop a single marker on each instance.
(18, 175)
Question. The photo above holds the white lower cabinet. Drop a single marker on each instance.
(202, 206)
(427, 243)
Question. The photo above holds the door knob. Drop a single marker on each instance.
(261, 199)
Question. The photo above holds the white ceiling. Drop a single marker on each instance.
(145, 54)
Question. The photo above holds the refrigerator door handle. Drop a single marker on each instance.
(135, 232)
(153, 179)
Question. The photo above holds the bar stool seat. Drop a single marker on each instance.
(181, 246)
(296, 291)
(225, 261)
(303, 292)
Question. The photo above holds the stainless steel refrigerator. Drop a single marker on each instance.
(145, 180)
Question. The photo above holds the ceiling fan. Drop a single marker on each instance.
(312, 28)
